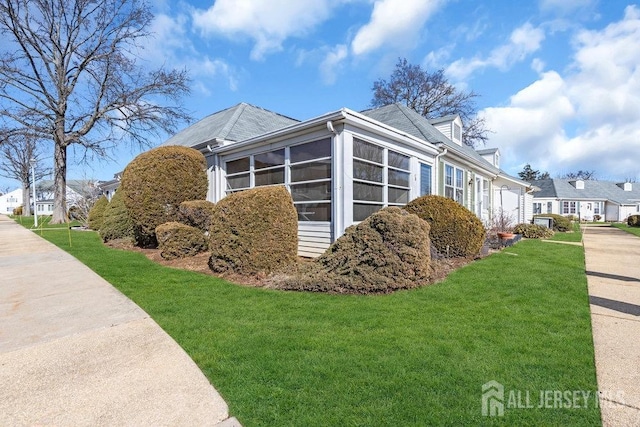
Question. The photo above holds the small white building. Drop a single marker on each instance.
(344, 165)
(586, 199)
(11, 201)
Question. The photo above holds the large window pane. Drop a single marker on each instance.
(425, 179)
(364, 150)
(398, 160)
(369, 192)
(240, 165)
(367, 171)
(267, 160)
(238, 181)
(311, 191)
(398, 195)
(270, 177)
(362, 211)
(314, 211)
(398, 178)
(311, 150)
(448, 175)
(311, 171)
(459, 178)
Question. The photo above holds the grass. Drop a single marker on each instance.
(420, 357)
(573, 236)
(625, 227)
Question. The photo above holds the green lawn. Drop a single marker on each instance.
(420, 357)
(625, 227)
(572, 236)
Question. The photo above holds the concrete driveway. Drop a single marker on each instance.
(74, 351)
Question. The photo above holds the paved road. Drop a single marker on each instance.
(74, 351)
(613, 273)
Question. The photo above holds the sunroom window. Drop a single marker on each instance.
(380, 178)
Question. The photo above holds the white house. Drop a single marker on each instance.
(10, 201)
(586, 199)
(77, 190)
(344, 165)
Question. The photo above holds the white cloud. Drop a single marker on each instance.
(587, 119)
(523, 41)
(332, 63)
(267, 22)
(565, 7)
(394, 22)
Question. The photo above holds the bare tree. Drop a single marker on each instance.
(16, 153)
(529, 174)
(581, 174)
(69, 74)
(431, 95)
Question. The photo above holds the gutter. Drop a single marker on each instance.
(437, 166)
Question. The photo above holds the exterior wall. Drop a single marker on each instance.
(626, 211)
(10, 201)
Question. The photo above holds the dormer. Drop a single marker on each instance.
(578, 184)
(626, 186)
(491, 155)
(449, 126)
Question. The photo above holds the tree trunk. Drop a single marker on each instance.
(26, 199)
(59, 183)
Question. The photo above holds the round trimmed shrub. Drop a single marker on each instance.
(18, 210)
(254, 231)
(560, 223)
(177, 240)
(116, 223)
(156, 182)
(455, 231)
(633, 221)
(96, 213)
(389, 250)
(533, 231)
(196, 213)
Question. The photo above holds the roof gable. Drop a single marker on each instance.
(593, 190)
(238, 123)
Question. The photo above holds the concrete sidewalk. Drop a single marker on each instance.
(74, 351)
(613, 274)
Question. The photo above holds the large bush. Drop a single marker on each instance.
(177, 240)
(254, 231)
(387, 251)
(196, 213)
(533, 231)
(96, 214)
(633, 221)
(455, 230)
(560, 223)
(116, 223)
(156, 182)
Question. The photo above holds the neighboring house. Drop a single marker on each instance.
(77, 191)
(585, 199)
(10, 201)
(344, 165)
(109, 187)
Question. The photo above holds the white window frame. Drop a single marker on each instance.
(537, 208)
(453, 184)
(569, 207)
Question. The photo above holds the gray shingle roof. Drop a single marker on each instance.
(238, 123)
(593, 190)
(407, 120)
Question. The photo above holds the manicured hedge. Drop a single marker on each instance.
(156, 182)
(455, 231)
(177, 240)
(633, 221)
(254, 231)
(196, 213)
(389, 250)
(533, 231)
(116, 223)
(96, 213)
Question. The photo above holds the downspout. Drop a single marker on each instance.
(437, 165)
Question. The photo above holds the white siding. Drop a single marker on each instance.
(313, 238)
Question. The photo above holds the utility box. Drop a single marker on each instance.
(543, 221)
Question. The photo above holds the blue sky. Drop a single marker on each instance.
(559, 80)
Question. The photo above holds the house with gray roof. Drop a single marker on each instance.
(344, 165)
(587, 199)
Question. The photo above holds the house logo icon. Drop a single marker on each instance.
(492, 399)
